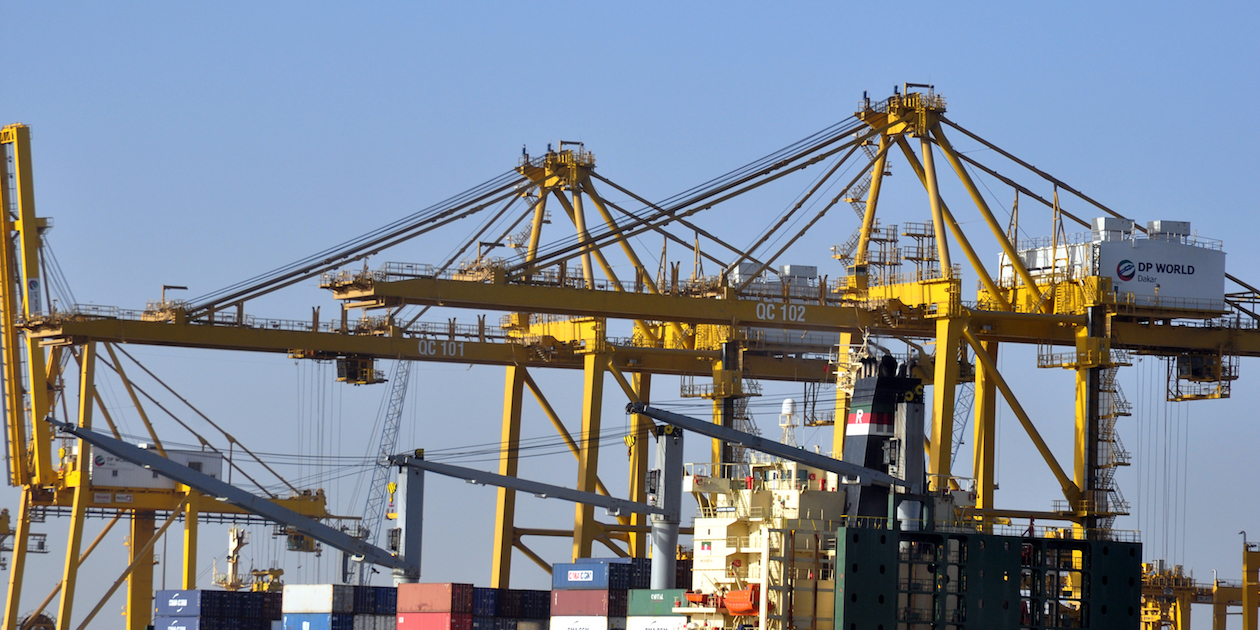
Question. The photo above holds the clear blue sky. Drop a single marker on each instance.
(199, 144)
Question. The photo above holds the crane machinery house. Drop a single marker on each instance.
(1167, 266)
(110, 471)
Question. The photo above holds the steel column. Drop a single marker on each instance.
(584, 238)
(984, 444)
(841, 419)
(585, 529)
(140, 582)
(540, 216)
(1088, 391)
(82, 489)
(963, 243)
(1251, 587)
(14, 396)
(17, 569)
(191, 514)
(934, 196)
(872, 200)
(509, 451)
(1070, 491)
(998, 232)
(944, 382)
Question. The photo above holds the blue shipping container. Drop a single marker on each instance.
(177, 623)
(209, 623)
(485, 603)
(318, 621)
(591, 576)
(177, 603)
(386, 600)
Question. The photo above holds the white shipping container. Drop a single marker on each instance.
(531, 624)
(670, 622)
(317, 598)
(588, 623)
(109, 471)
(277, 624)
(386, 622)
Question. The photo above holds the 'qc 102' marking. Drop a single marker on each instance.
(768, 311)
(433, 348)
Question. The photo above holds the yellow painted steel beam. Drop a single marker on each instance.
(140, 570)
(509, 453)
(135, 400)
(998, 232)
(142, 559)
(192, 509)
(954, 229)
(984, 444)
(551, 414)
(83, 487)
(82, 557)
(944, 383)
(1070, 490)
(934, 197)
(17, 568)
(31, 290)
(842, 399)
(14, 396)
(872, 201)
(585, 528)
(128, 499)
(1251, 588)
(529, 553)
(540, 217)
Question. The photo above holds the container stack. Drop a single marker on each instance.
(648, 609)
(534, 612)
(444, 606)
(214, 610)
(318, 607)
(591, 594)
(375, 607)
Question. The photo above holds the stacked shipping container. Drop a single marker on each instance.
(215, 610)
(338, 607)
(654, 609)
(464, 607)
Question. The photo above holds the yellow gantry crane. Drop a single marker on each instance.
(737, 327)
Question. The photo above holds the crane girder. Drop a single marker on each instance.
(893, 318)
(71, 330)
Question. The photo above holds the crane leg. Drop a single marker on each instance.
(505, 515)
(585, 529)
(140, 582)
(948, 336)
(17, 569)
(985, 441)
(842, 401)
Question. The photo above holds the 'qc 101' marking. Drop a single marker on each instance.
(432, 348)
(768, 311)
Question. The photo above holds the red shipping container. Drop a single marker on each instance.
(434, 621)
(435, 598)
(575, 603)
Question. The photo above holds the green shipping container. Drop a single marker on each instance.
(654, 603)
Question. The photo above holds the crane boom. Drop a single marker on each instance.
(758, 443)
(226, 492)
